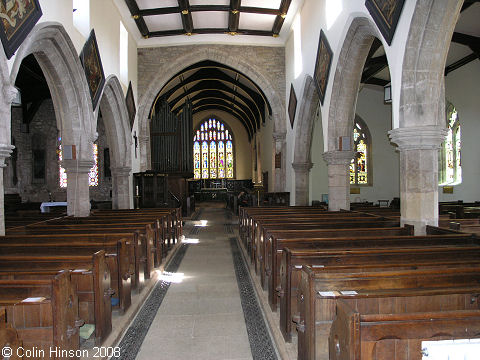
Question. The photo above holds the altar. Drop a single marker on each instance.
(211, 194)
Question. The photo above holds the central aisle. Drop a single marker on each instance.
(203, 314)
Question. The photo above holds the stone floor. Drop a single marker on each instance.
(205, 307)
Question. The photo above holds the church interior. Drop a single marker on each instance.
(239, 179)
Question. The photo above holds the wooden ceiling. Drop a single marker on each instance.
(252, 17)
(212, 86)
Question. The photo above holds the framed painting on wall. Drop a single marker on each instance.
(322, 65)
(18, 17)
(385, 13)
(130, 101)
(92, 65)
(292, 105)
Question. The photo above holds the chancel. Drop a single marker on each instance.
(239, 179)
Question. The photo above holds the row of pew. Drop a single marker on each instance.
(357, 285)
(65, 275)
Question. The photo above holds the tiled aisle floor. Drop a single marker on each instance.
(201, 317)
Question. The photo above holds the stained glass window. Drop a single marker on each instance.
(450, 162)
(360, 164)
(215, 159)
(196, 160)
(92, 175)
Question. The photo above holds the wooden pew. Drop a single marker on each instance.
(320, 223)
(43, 324)
(142, 241)
(359, 334)
(9, 336)
(90, 277)
(367, 259)
(402, 291)
(118, 255)
(163, 241)
(267, 250)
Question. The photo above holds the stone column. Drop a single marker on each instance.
(121, 187)
(302, 177)
(338, 179)
(78, 196)
(5, 150)
(280, 149)
(418, 147)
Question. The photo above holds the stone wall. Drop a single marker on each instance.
(270, 61)
(43, 135)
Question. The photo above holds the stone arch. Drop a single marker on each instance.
(201, 54)
(117, 129)
(56, 55)
(422, 94)
(59, 61)
(341, 112)
(303, 141)
(347, 78)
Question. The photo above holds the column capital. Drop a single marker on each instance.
(5, 151)
(121, 171)
(418, 137)
(77, 166)
(302, 166)
(338, 157)
(279, 136)
(9, 93)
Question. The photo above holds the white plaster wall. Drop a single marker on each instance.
(461, 89)
(319, 173)
(243, 148)
(385, 160)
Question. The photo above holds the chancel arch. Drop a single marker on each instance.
(263, 80)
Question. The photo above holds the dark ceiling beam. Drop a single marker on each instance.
(187, 20)
(377, 81)
(221, 78)
(30, 111)
(219, 97)
(227, 109)
(209, 31)
(473, 42)
(373, 49)
(458, 64)
(134, 11)
(218, 104)
(207, 70)
(467, 4)
(279, 20)
(234, 16)
(197, 8)
(217, 94)
(205, 86)
(373, 67)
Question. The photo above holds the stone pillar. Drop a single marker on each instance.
(78, 196)
(338, 179)
(302, 177)
(121, 187)
(418, 147)
(280, 151)
(5, 150)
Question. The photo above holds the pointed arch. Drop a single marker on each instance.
(197, 55)
(422, 94)
(347, 78)
(58, 59)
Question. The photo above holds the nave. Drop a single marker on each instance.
(204, 305)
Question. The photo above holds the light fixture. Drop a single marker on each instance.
(387, 93)
(17, 101)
